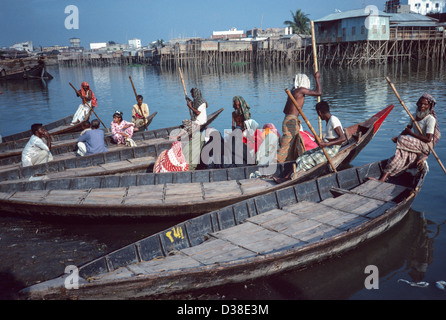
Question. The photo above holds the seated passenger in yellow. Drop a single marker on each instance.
(140, 112)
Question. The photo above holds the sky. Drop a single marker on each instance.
(45, 23)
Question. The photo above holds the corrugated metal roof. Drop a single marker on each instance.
(351, 14)
(405, 17)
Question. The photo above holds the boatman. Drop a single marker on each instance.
(36, 150)
(291, 143)
(333, 139)
(84, 109)
(140, 112)
(412, 147)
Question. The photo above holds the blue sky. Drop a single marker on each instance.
(43, 21)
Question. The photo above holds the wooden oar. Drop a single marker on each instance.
(313, 41)
(318, 140)
(136, 97)
(85, 102)
(184, 88)
(416, 124)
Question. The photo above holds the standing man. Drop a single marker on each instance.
(84, 109)
(92, 141)
(333, 139)
(292, 144)
(36, 150)
(140, 112)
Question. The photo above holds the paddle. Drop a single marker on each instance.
(184, 88)
(85, 102)
(313, 41)
(136, 96)
(318, 140)
(413, 120)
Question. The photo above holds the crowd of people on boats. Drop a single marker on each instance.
(261, 144)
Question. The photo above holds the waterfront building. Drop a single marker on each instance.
(228, 35)
(98, 45)
(353, 25)
(135, 43)
(75, 42)
(23, 46)
(423, 7)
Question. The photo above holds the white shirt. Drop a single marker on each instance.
(202, 118)
(332, 124)
(427, 125)
(34, 146)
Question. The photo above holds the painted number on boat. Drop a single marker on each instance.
(175, 233)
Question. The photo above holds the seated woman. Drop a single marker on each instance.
(333, 139)
(121, 129)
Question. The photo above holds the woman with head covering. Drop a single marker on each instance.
(241, 113)
(412, 147)
(83, 111)
(198, 107)
(121, 129)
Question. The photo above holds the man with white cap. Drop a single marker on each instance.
(291, 143)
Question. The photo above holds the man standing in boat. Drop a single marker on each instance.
(333, 139)
(140, 112)
(88, 101)
(292, 144)
(36, 150)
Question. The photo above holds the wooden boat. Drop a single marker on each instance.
(118, 158)
(164, 195)
(54, 128)
(23, 69)
(291, 228)
(60, 143)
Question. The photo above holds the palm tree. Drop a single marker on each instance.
(300, 22)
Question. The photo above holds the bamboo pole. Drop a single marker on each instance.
(184, 88)
(415, 123)
(318, 140)
(313, 40)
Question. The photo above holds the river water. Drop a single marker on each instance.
(34, 250)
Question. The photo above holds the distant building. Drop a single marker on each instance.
(98, 45)
(270, 32)
(353, 25)
(135, 43)
(23, 46)
(415, 6)
(75, 42)
(228, 35)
